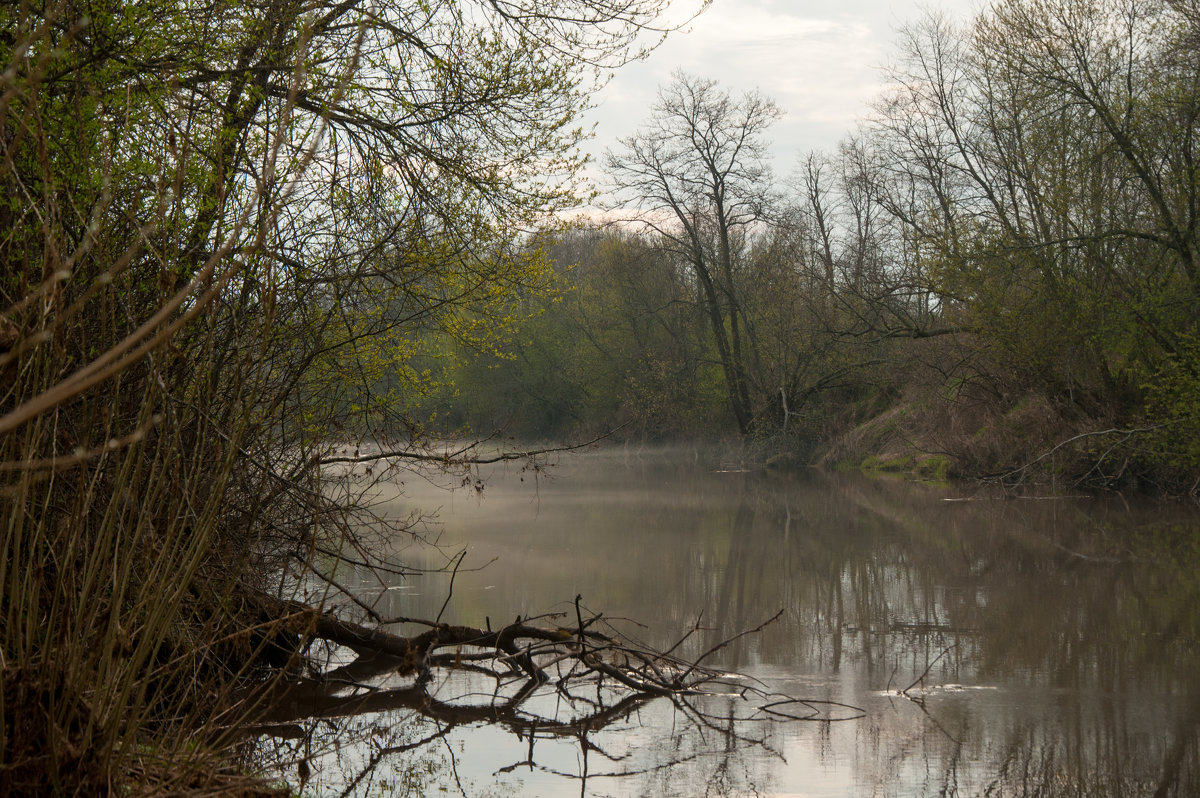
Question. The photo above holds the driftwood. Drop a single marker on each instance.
(539, 652)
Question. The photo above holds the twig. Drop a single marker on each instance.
(579, 620)
(928, 668)
(812, 704)
(450, 590)
(82, 456)
(1128, 433)
(726, 642)
(457, 458)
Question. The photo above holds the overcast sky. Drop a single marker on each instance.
(818, 59)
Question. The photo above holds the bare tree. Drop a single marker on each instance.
(696, 174)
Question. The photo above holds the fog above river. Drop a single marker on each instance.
(1050, 643)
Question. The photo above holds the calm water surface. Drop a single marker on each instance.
(1056, 638)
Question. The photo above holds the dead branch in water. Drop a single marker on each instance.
(598, 679)
(532, 648)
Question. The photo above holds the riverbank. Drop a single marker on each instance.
(1028, 440)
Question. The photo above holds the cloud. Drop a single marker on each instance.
(819, 60)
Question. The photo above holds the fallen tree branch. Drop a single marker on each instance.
(460, 457)
(516, 663)
(1017, 474)
(521, 647)
(411, 652)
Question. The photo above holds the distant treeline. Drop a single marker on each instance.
(1002, 259)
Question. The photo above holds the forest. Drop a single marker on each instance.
(238, 240)
(993, 277)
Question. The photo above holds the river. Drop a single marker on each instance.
(951, 640)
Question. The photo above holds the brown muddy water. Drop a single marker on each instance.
(1048, 645)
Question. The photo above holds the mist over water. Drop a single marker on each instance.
(1043, 645)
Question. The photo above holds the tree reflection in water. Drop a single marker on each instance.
(354, 722)
(1057, 640)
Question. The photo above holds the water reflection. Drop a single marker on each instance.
(1043, 646)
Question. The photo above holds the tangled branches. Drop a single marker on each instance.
(534, 649)
(564, 675)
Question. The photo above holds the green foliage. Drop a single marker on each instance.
(231, 237)
(1173, 401)
(933, 469)
(1025, 194)
(1041, 159)
(614, 345)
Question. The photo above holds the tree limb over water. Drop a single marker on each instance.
(462, 456)
(532, 648)
(597, 676)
